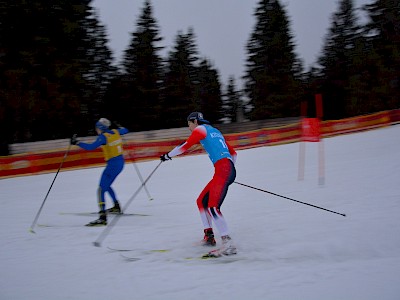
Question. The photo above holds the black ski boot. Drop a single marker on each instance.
(209, 239)
(101, 221)
(116, 209)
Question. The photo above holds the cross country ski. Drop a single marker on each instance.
(89, 214)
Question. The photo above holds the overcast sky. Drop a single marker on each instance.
(222, 27)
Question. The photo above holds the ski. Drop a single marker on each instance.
(56, 226)
(47, 225)
(205, 257)
(135, 255)
(119, 250)
(130, 258)
(197, 257)
(218, 259)
(217, 255)
(138, 250)
(89, 214)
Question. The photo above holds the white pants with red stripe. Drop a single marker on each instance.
(214, 215)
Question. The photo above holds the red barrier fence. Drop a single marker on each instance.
(49, 161)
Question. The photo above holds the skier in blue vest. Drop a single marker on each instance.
(209, 202)
(111, 143)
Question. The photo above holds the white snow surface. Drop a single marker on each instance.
(286, 250)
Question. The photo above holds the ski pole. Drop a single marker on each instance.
(44, 200)
(140, 177)
(261, 190)
(141, 180)
(108, 228)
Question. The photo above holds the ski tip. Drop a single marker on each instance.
(151, 199)
(203, 257)
(97, 244)
(160, 250)
(129, 258)
(208, 256)
(31, 230)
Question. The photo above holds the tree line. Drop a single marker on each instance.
(57, 75)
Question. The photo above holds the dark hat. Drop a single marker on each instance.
(197, 116)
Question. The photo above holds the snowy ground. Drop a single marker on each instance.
(287, 250)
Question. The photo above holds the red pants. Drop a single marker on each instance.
(215, 191)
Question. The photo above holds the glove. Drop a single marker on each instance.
(117, 124)
(165, 157)
(74, 140)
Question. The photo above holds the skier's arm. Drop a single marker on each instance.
(101, 140)
(197, 135)
(122, 130)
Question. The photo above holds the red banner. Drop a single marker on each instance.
(307, 130)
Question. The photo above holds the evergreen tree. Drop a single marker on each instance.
(383, 33)
(232, 106)
(337, 60)
(101, 71)
(360, 98)
(43, 67)
(143, 66)
(119, 104)
(180, 93)
(209, 92)
(272, 66)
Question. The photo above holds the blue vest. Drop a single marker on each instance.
(214, 144)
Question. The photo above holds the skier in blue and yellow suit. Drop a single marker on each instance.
(111, 143)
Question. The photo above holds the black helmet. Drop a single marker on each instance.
(197, 116)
